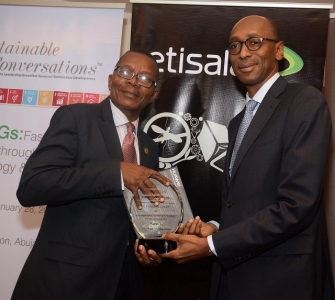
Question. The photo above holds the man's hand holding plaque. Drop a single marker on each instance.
(136, 177)
(152, 220)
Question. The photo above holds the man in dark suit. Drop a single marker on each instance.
(78, 171)
(268, 244)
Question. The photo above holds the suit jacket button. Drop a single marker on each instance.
(229, 204)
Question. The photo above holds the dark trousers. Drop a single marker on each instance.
(123, 288)
(223, 292)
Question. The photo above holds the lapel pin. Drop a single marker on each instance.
(146, 150)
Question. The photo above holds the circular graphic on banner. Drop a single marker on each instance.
(165, 135)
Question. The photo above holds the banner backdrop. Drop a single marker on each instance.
(199, 95)
(49, 56)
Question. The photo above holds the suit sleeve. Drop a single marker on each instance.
(304, 141)
(52, 174)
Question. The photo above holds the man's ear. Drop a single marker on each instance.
(280, 50)
(154, 95)
(110, 76)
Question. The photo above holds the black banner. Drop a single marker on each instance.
(199, 95)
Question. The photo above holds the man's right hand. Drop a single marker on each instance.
(137, 177)
(197, 227)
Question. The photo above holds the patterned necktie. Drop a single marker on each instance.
(128, 148)
(248, 115)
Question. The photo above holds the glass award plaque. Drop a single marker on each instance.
(152, 221)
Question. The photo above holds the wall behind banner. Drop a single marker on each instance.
(329, 92)
(125, 45)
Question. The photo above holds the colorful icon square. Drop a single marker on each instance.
(14, 96)
(60, 98)
(91, 98)
(45, 98)
(75, 98)
(30, 97)
(103, 97)
(3, 95)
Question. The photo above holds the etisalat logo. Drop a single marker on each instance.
(196, 138)
(190, 64)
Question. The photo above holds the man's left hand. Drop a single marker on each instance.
(150, 258)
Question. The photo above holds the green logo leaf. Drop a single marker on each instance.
(295, 62)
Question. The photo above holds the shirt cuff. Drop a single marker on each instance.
(122, 183)
(211, 245)
(214, 223)
(210, 239)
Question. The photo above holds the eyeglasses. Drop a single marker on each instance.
(141, 79)
(252, 43)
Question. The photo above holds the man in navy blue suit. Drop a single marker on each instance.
(267, 241)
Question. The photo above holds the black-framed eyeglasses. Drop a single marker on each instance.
(141, 79)
(252, 43)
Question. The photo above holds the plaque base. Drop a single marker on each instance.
(158, 245)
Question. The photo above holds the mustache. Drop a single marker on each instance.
(246, 63)
(131, 91)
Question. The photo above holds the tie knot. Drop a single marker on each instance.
(130, 127)
(251, 105)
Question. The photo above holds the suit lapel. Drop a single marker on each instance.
(111, 137)
(108, 129)
(263, 114)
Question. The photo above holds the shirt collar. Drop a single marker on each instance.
(259, 96)
(120, 118)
